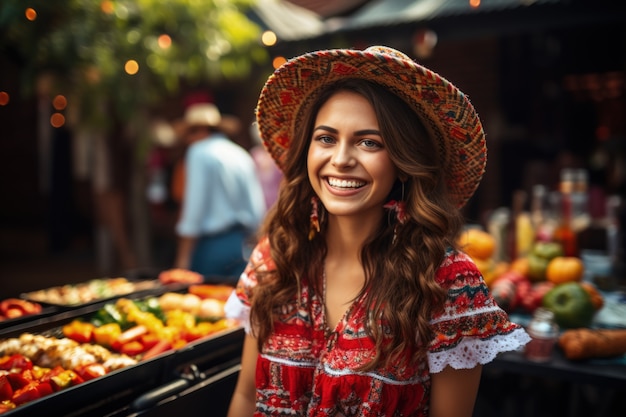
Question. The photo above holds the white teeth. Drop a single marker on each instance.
(345, 183)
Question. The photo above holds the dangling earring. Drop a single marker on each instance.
(399, 208)
(315, 220)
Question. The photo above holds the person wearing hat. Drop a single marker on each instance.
(223, 203)
(356, 300)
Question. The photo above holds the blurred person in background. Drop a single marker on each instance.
(269, 174)
(223, 202)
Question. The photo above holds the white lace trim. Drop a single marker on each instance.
(474, 312)
(473, 351)
(235, 309)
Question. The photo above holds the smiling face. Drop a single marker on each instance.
(348, 166)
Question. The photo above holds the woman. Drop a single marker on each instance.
(356, 301)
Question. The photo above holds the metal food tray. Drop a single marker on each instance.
(103, 395)
(45, 312)
(139, 287)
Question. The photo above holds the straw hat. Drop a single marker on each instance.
(443, 109)
(202, 114)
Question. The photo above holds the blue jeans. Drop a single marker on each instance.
(220, 257)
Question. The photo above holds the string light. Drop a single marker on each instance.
(164, 41)
(4, 98)
(131, 67)
(278, 61)
(57, 120)
(31, 14)
(268, 38)
(59, 102)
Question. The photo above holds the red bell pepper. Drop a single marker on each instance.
(6, 390)
(15, 362)
(20, 379)
(33, 391)
(60, 378)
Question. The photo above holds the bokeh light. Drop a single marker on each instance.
(59, 102)
(57, 120)
(107, 7)
(268, 38)
(278, 61)
(31, 14)
(4, 98)
(474, 3)
(131, 67)
(164, 41)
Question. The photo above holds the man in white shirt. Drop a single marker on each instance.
(223, 202)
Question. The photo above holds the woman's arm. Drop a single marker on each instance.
(243, 402)
(453, 392)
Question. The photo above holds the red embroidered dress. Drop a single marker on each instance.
(303, 372)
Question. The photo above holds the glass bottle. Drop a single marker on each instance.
(538, 212)
(544, 332)
(564, 232)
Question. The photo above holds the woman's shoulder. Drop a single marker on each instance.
(457, 268)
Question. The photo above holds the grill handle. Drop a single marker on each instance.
(153, 397)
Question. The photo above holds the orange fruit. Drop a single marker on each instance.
(521, 265)
(477, 243)
(565, 269)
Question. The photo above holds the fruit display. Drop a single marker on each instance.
(525, 283)
(121, 333)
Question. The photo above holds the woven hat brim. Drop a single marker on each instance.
(443, 109)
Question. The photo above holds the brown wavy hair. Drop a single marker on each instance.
(400, 273)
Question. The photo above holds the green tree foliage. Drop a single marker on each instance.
(84, 45)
